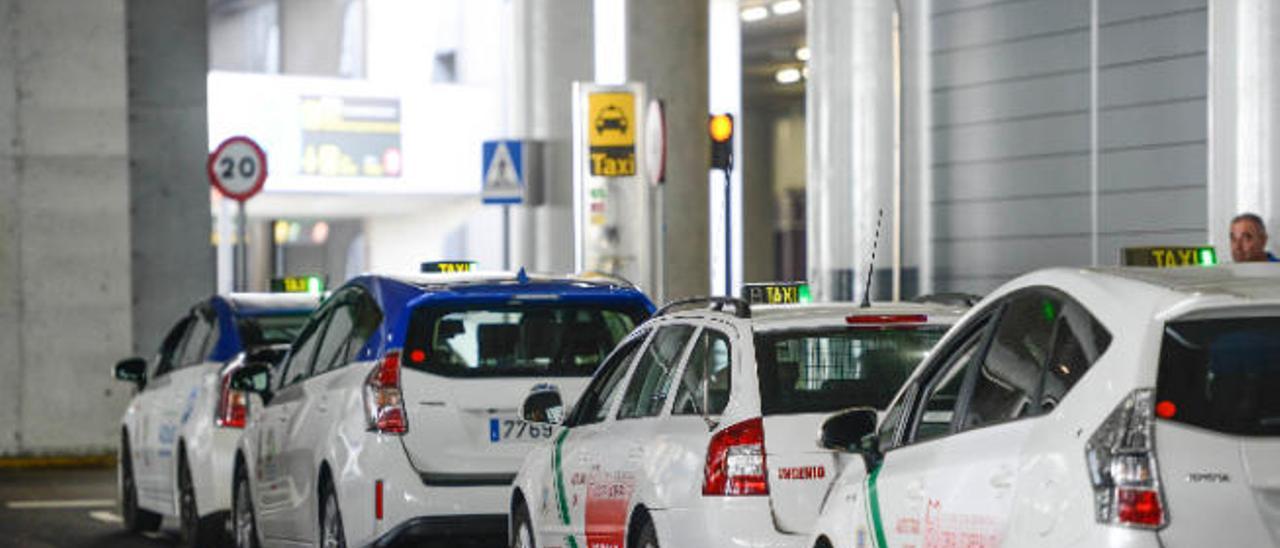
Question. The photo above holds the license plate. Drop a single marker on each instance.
(503, 430)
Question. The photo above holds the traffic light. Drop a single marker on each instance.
(720, 128)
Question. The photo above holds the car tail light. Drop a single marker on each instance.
(736, 461)
(384, 406)
(1122, 465)
(232, 404)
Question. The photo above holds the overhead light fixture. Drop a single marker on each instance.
(787, 7)
(802, 53)
(789, 75)
(754, 13)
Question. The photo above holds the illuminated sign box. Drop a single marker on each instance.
(448, 267)
(776, 293)
(1169, 256)
(298, 284)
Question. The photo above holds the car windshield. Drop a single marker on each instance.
(1222, 374)
(269, 329)
(515, 340)
(822, 371)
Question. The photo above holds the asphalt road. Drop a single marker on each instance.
(77, 508)
(48, 508)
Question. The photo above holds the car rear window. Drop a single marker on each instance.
(270, 329)
(517, 339)
(827, 370)
(1222, 374)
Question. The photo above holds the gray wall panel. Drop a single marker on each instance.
(1160, 211)
(1012, 179)
(1042, 56)
(1153, 125)
(1044, 217)
(970, 259)
(1182, 33)
(1112, 11)
(1159, 168)
(1058, 94)
(1016, 139)
(1009, 22)
(1168, 79)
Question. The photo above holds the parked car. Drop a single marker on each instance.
(179, 433)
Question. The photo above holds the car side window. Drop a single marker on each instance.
(332, 348)
(705, 382)
(892, 423)
(935, 414)
(298, 365)
(203, 332)
(171, 347)
(656, 369)
(593, 406)
(1008, 379)
(1078, 340)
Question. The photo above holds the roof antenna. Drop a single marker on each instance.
(871, 267)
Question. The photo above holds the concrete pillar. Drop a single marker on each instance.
(173, 259)
(64, 213)
(667, 51)
(1244, 128)
(850, 142)
(553, 48)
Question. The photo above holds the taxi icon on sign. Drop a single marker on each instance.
(611, 118)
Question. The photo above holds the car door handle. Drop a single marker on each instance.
(1002, 479)
(915, 490)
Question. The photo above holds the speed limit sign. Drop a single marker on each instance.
(238, 168)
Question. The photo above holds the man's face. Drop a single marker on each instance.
(1248, 242)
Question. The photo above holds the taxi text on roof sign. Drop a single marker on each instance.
(611, 133)
(448, 267)
(776, 293)
(298, 284)
(1169, 256)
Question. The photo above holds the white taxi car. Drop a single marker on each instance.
(179, 432)
(699, 428)
(1080, 408)
(394, 416)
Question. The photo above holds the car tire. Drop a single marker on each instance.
(331, 533)
(136, 520)
(522, 529)
(648, 536)
(244, 526)
(195, 532)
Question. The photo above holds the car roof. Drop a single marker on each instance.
(797, 316)
(256, 304)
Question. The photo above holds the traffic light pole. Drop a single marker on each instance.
(728, 231)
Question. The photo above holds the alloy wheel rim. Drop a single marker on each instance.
(332, 524)
(524, 539)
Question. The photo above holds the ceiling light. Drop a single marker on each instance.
(789, 75)
(754, 13)
(802, 54)
(787, 7)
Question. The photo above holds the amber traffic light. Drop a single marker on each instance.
(720, 128)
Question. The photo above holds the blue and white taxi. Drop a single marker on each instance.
(394, 415)
(1080, 408)
(179, 432)
(699, 429)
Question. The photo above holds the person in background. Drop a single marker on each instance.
(1249, 240)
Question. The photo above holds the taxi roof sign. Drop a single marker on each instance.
(776, 293)
(313, 285)
(1169, 256)
(448, 267)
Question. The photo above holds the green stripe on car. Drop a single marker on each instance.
(873, 498)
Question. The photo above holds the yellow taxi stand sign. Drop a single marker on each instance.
(448, 267)
(611, 133)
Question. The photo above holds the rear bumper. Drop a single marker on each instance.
(480, 526)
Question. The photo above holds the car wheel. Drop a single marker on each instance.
(196, 533)
(243, 525)
(136, 520)
(331, 535)
(648, 537)
(522, 529)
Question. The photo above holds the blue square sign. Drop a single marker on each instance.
(503, 175)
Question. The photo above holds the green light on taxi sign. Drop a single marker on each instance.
(313, 285)
(1208, 257)
(777, 293)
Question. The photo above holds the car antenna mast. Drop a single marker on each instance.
(871, 267)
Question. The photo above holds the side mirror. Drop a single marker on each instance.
(132, 370)
(252, 377)
(854, 431)
(543, 405)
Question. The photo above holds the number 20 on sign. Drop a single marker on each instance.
(238, 168)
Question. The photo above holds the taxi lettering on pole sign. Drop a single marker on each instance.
(1169, 256)
(776, 293)
(611, 133)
